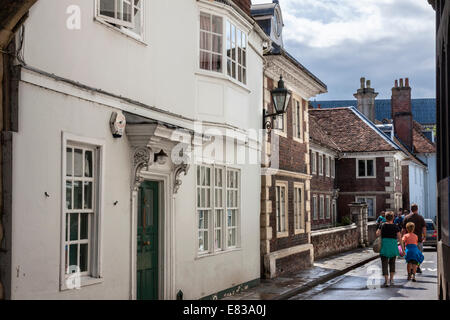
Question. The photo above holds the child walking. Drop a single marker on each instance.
(413, 255)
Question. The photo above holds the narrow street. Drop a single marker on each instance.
(364, 283)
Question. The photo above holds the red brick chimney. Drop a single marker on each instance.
(402, 112)
(245, 5)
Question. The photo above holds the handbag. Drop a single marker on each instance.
(377, 245)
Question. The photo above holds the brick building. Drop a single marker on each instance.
(368, 164)
(285, 203)
(324, 191)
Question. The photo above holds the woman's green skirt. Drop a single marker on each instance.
(389, 248)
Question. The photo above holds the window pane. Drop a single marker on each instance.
(361, 168)
(216, 63)
(205, 21)
(370, 171)
(218, 239)
(78, 163)
(84, 226)
(205, 41)
(83, 257)
(74, 227)
(77, 195)
(88, 195)
(217, 44)
(88, 164)
(205, 60)
(217, 25)
(73, 256)
(69, 195)
(107, 8)
(127, 13)
(67, 226)
(69, 158)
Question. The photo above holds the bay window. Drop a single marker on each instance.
(215, 51)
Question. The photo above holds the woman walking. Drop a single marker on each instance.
(390, 237)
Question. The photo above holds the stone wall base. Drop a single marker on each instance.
(288, 260)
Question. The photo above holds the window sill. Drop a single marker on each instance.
(280, 133)
(300, 231)
(208, 255)
(129, 35)
(299, 140)
(282, 234)
(374, 177)
(222, 76)
(86, 281)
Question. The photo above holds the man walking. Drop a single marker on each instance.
(420, 227)
(399, 219)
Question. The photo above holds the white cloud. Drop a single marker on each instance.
(328, 23)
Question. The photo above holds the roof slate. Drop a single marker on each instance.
(347, 130)
(424, 110)
(421, 143)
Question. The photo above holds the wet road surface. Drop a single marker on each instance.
(364, 283)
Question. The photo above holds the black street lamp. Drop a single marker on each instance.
(280, 98)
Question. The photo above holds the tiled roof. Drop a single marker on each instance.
(424, 110)
(319, 136)
(421, 143)
(411, 156)
(350, 131)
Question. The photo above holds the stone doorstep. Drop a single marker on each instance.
(283, 288)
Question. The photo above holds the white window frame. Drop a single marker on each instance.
(374, 168)
(321, 173)
(328, 207)
(212, 250)
(315, 208)
(224, 73)
(123, 26)
(94, 276)
(297, 116)
(327, 166)
(282, 230)
(313, 162)
(374, 198)
(321, 207)
(333, 167)
(299, 212)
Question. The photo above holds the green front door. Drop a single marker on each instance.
(147, 242)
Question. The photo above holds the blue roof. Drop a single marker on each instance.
(424, 110)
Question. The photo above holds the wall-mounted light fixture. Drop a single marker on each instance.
(161, 157)
(280, 99)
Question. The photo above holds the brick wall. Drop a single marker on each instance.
(333, 241)
(321, 185)
(347, 181)
(293, 239)
(372, 227)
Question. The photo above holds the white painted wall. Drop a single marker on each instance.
(417, 186)
(163, 72)
(430, 211)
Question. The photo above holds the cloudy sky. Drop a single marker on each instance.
(342, 40)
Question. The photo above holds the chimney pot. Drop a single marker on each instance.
(401, 83)
(396, 83)
(363, 80)
(406, 82)
(318, 106)
(368, 84)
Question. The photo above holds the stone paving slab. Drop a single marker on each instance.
(323, 270)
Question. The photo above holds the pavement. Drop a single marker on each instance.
(364, 283)
(290, 285)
